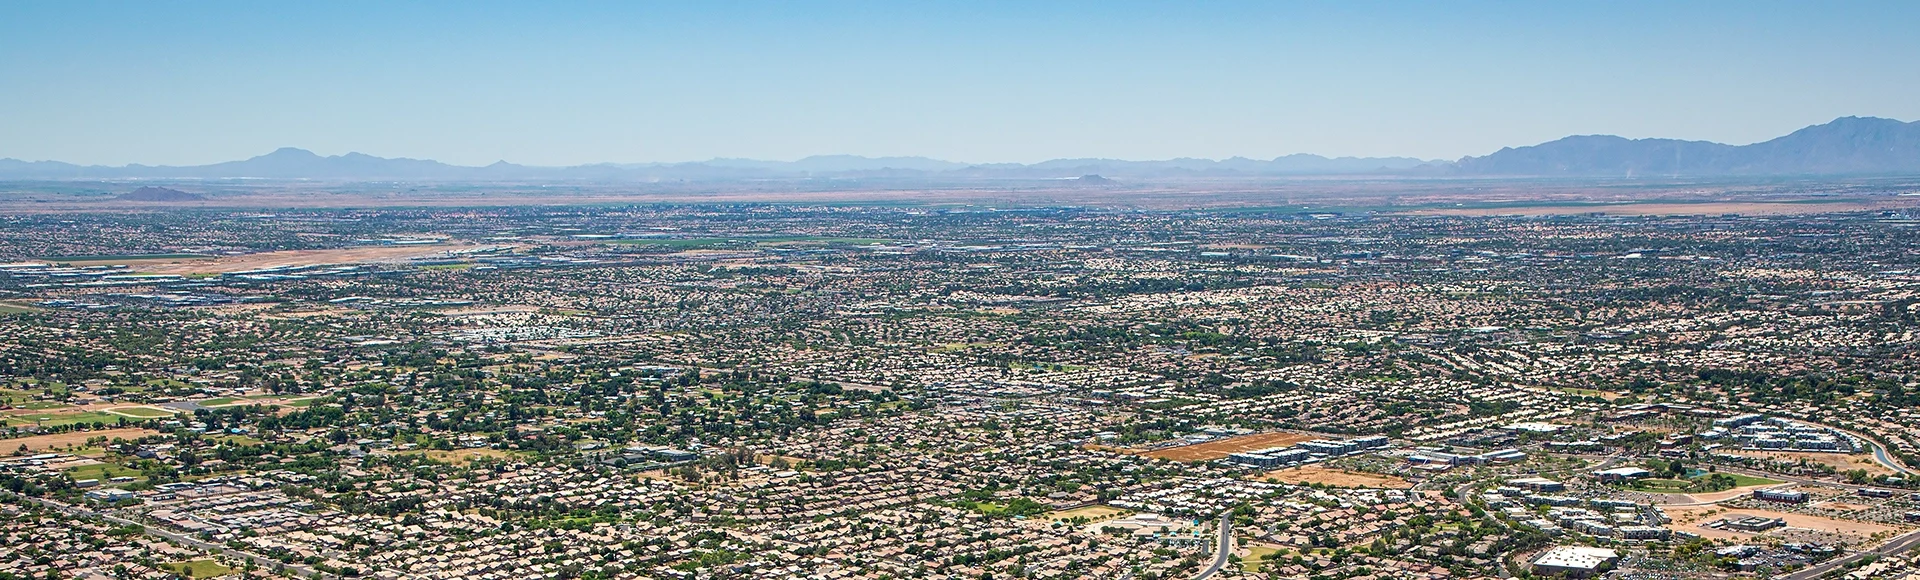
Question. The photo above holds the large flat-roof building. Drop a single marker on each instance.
(1575, 561)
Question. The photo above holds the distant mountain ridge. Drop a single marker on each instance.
(1846, 146)
(293, 163)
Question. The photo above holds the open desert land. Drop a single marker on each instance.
(1334, 477)
(1689, 518)
(1212, 450)
(62, 440)
(1715, 497)
(1839, 461)
(225, 264)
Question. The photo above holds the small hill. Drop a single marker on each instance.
(1093, 179)
(150, 193)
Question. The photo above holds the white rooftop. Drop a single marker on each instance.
(1577, 557)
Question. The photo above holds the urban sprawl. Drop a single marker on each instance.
(895, 392)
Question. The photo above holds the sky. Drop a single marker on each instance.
(563, 83)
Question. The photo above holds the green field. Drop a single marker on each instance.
(101, 472)
(1663, 485)
(6, 308)
(1257, 555)
(142, 412)
(219, 401)
(199, 568)
(241, 440)
(1659, 485)
(1746, 480)
(52, 420)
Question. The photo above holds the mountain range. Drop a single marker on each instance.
(1846, 146)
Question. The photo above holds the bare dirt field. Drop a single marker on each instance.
(61, 440)
(1840, 461)
(460, 456)
(226, 264)
(1092, 512)
(1688, 519)
(1216, 449)
(1335, 477)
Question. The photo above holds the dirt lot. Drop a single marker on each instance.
(1338, 477)
(1092, 512)
(61, 440)
(1840, 461)
(463, 456)
(291, 258)
(1687, 519)
(1219, 448)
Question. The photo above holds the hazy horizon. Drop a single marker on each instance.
(467, 84)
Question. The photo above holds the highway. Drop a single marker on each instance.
(1225, 548)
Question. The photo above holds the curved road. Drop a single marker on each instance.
(1225, 548)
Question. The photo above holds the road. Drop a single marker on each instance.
(1225, 548)
(1897, 545)
(264, 562)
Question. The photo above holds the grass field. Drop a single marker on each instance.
(1746, 480)
(1216, 449)
(6, 308)
(102, 471)
(1660, 485)
(241, 440)
(142, 412)
(1256, 555)
(56, 419)
(197, 569)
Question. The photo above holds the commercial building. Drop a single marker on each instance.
(1619, 474)
(1575, 561)
(1780, 496)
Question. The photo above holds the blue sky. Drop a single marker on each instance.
(579, 82)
